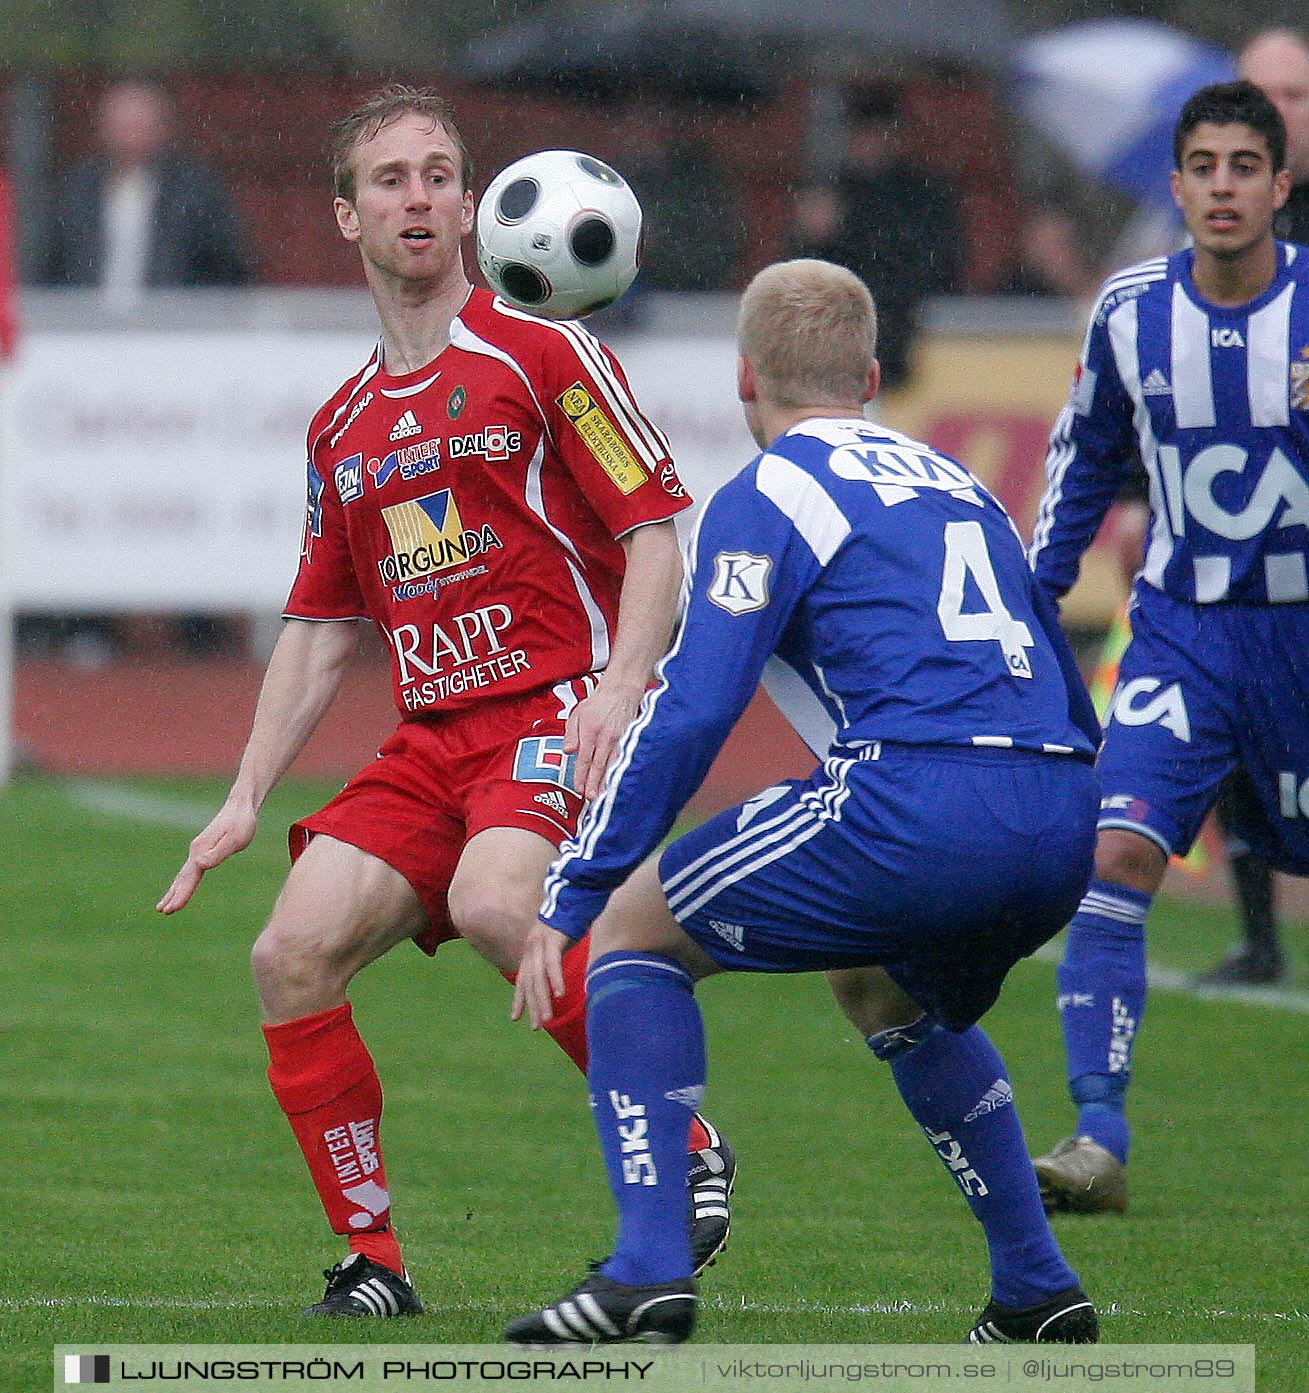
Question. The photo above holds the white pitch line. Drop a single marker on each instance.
(716, 1303)
(881, 1308)
(136, 805)
(1170, 980)
(1283, 998)
(128, 1303)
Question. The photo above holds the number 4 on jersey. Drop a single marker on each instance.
(966, 555)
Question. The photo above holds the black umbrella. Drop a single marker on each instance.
(732, 49)
(616, 52)
(975, 33)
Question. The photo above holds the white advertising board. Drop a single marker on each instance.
(165, 470)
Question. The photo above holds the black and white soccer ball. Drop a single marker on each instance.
(559, 234)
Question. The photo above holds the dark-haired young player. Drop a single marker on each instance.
(1277, 60)
(1199, 363)
(487, 493)
(945, 835)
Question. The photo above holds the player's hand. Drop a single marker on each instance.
(594, 729)
(540, 974)
(231, 830)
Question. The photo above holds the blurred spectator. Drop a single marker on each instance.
(140, 214)
(694, 230)
(895, 226)
(1278, 60)
(1153, 230)
(1050, 256)
(137, 215)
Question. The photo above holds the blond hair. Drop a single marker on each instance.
(809, 330)
(389, 104)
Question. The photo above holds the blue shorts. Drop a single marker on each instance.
(1201, 690)
(943, 866)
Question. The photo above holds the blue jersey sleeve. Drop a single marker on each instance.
(751, 564)
(1091, 453)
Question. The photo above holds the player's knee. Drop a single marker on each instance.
(1129, 859)
(286, 963)
(871, 1000)
(270, 960)
(493, 918)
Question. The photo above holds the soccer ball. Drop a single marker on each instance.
(559, 234)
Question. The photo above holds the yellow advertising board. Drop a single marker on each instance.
(989, 400)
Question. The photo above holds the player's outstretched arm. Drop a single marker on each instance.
(304, 675)
(646, 609)
(540, 974)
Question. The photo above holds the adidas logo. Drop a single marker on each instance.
(554, 800)
(996, 1097)
(372, 1292)
(1155, 384)
(733, 934)
(378, 1297)
(406, 426)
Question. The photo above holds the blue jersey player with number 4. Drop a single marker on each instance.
(1199, 363)
(945, 835)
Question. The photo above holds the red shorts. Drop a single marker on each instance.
(437, 783)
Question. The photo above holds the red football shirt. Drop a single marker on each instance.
(472, 509)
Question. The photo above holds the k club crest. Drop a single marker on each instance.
(740, 582)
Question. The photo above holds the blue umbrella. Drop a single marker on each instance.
(1107, 92)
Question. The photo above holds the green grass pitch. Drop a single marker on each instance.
(155, 1194)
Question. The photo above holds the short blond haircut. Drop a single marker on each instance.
(809, 330)
(389, 104)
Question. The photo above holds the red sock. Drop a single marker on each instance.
(323, 1076)
(568, 1025)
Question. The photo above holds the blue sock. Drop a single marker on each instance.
(958, 1091)
(646, 1075)
(1101, 1001)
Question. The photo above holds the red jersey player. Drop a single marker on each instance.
(489, 495)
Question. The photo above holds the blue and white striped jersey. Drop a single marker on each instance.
(887, 589)
(1215, 403)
